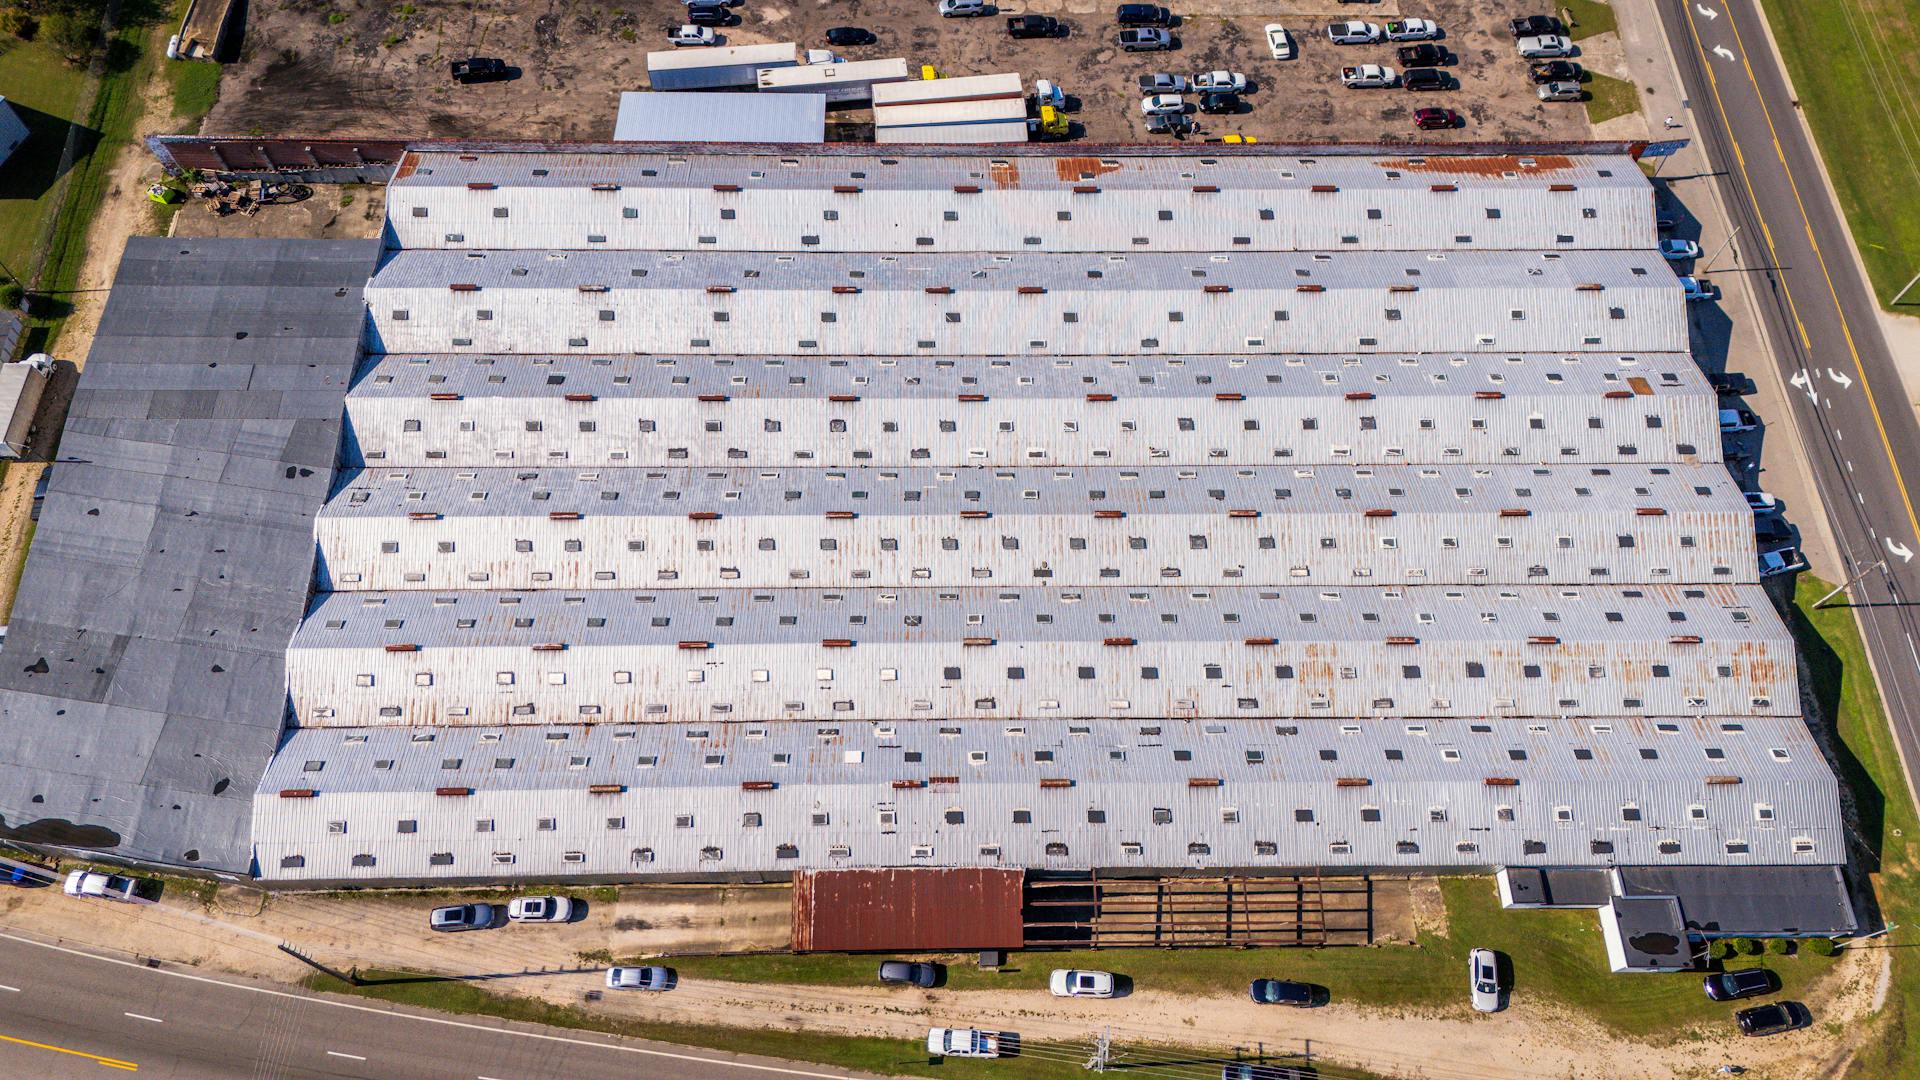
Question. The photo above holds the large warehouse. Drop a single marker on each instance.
(728, 513)
(732, 512)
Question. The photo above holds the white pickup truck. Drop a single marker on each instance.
(1365, 76)
(87, 883)
(963, 1042)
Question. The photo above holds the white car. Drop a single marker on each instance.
(1365, 76)
(1412, 30)
(658, 979)
(962, 9)
(1483, 974)
(1698, 288)
(1544, 47)
(963, 1042)
(1072, 982)
(1737, 421)
(1162, 105)
(1763, 503)
(88, 883)
(1779, 561)
(691, 35)
(1677, 250)
(540, 909)
(1353, 32)
(1219, 82)
(1278, 42)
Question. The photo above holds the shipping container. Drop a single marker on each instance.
(964, 88)
(844, 82)
(728, 66)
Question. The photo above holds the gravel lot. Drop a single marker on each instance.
(353, 67)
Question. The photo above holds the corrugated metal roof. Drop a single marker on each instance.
(917, 910)
(413, 529)
(830, 76)
(722, 117)
(965, 87)
(1061, 794)
(1038, 304)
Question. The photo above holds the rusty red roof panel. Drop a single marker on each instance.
(910, 910)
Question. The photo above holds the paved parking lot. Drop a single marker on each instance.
(357, 67)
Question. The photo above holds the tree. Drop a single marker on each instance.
(1820, 946)
(1779, 946)
(1720, 949)
(1747, 946)
(71, 34)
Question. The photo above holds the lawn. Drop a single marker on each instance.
(887, 1056)
(1608, 97)
(46, 91)
(1851, 62)
(1589, 17)
(1556, 955)
(1870, 768)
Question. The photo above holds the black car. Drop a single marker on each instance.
(847, 36)
(1280, 992)
(1425, 54)
(1765, 1020)
(908, 973)
(1547, 71)
(476, 69)
(1733, 985)
(1175, 124)
(709, 16)
(1142, 15)
(1219, 102)
(1033, 26)
(1535, 26)
(1425, 79)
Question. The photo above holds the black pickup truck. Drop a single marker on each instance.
(1033, 26)
(476, 69)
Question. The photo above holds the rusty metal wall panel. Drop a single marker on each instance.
(907, 910)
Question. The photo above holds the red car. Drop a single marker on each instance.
(1435, 119)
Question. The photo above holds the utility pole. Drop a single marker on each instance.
(1837, 589)
(1102, 1051)
(1724, 245)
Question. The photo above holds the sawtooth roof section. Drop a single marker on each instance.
(142, 685)
(968, 201)
(1025, 304)
(728, 798)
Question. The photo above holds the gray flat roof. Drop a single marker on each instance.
(719, 118)
(1717, 901)
(142, 688)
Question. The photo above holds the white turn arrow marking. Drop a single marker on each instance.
(1706, 11)
(1905, 552)
(1844, 380)
(1799, 380)
(1724, 53)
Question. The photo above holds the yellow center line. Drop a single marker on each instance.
(112, 1063)
(1833, 293)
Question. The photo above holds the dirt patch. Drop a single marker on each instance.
(355, 67)
(332, 212)
(1427, 907)
(1394, 918)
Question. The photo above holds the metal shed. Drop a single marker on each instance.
(907, 910)
(722, 118)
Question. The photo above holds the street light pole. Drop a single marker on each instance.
(1724, 244)
(1837, 589)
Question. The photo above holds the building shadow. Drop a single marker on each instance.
(35, 165)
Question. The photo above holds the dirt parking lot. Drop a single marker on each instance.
(324, 67)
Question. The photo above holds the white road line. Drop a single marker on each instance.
(349, 1057)
(9, 989)
(148, 1019)
(618, 1048)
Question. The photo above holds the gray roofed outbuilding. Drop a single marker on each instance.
(142, 686)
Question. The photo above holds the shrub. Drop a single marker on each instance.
(1720, 949)
(1780, 946)
(18, 24)
(1821, 946)
(1747, 946)
(335, 18)
(11, 294)
(72, 36)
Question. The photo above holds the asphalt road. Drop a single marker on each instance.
(1845, 395)
(66, 1013)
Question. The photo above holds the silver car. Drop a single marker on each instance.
(1559, 91)
(1544, 47)
(1483, 973)
(642, 978)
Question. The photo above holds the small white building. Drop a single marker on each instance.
(13, 130)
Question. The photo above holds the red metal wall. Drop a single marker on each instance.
(907, 910)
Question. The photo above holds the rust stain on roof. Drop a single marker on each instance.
(1077, 169)
(911, 910)
(1496, 165)
(1005, 172)
(408, 163)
